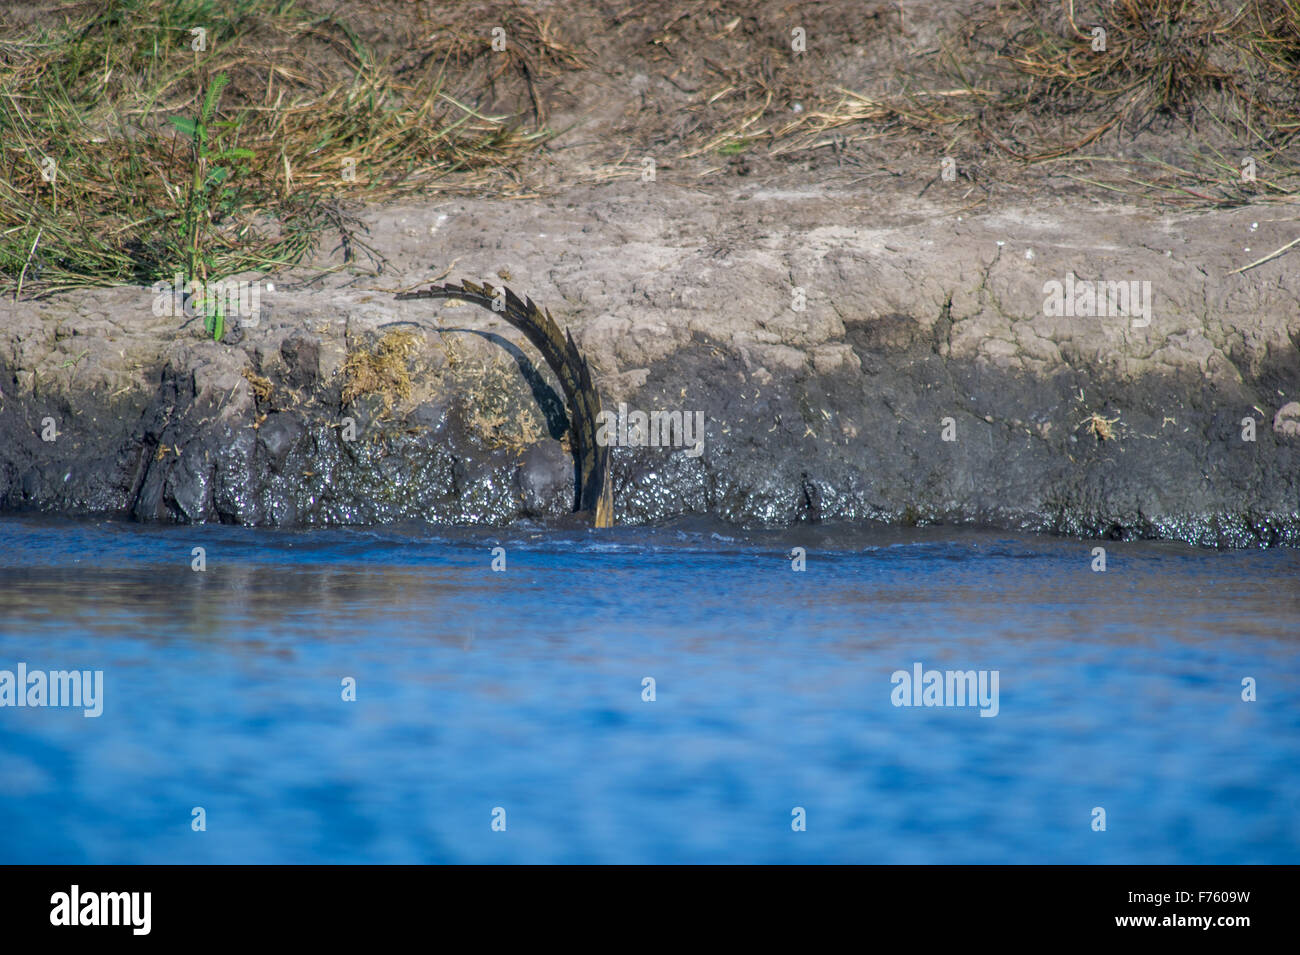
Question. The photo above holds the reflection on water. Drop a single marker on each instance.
(523, 690)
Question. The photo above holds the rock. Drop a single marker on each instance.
(544, 476)
(277, 436)
(301, 356)
(1287, 420)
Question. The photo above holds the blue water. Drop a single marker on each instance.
(523, 690)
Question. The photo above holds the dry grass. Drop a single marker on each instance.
(1182, 92)
(261, 386)
(490, 411)
(1103, 429)
(534, 49)
(1157, 56)
(382, 371)
(500, 427)
(311, 119)
(1195, 84)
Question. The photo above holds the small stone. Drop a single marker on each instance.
(1287, 420)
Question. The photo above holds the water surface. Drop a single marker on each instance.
(523, 690)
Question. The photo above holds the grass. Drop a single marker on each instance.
(487, 404)
(1103, 429)
(1183, 91)
(382, 371)
(261, 385)
(1225, 77)
(1140, 59)
(734, 148)
(500, 422)
(127, 156)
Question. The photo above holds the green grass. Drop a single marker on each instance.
(734, 148)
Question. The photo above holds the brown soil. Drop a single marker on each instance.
(923, 301)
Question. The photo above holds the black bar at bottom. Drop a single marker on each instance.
(334, 904)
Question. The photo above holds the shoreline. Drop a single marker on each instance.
(923, 380)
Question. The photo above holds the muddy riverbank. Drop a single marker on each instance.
(884, 269)
(849, 360)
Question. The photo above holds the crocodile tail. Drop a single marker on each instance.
(592, 491)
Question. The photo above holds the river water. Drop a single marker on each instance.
(504, 716)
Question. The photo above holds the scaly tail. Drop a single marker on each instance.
(592, 492)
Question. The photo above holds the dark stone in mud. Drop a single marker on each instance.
(544, 474)
(278, 434)
(31, 484)
(301, 356)
(187, 490)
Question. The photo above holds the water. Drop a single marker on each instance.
(523, 690)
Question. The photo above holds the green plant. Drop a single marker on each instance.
(212, 193)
